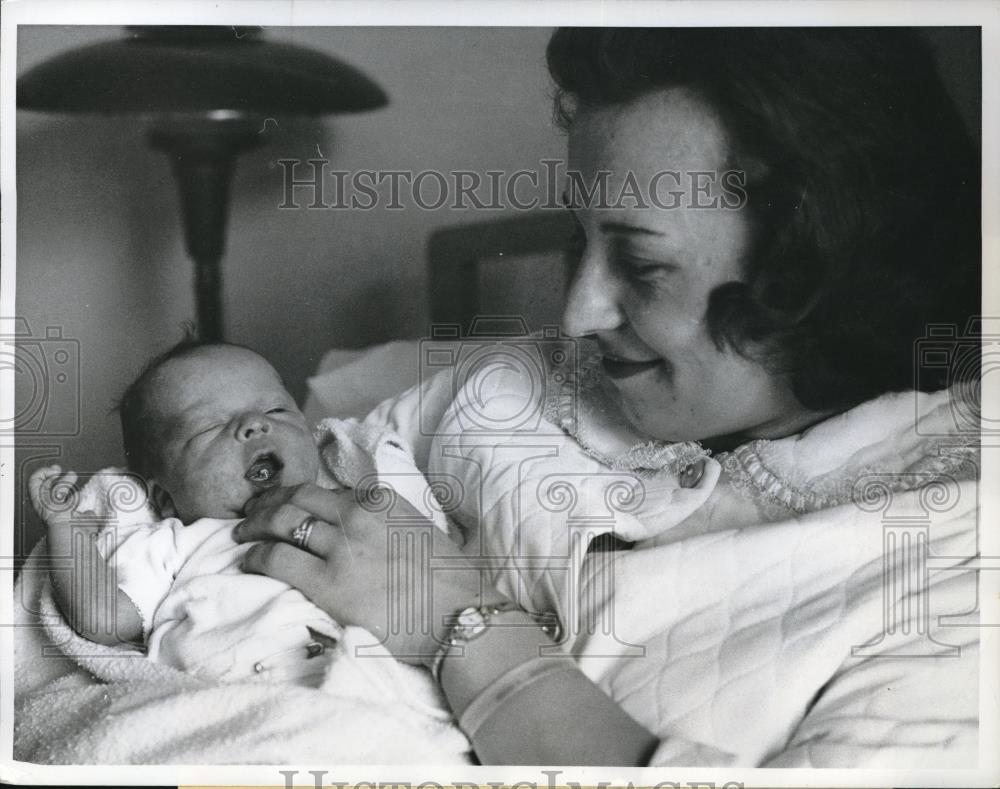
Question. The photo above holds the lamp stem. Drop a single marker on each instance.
(203, 156)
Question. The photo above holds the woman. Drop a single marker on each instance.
(774, 332)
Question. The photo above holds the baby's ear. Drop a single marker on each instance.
(161, 501)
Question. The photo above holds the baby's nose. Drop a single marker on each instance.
(253, 425)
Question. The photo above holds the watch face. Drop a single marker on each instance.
(470, 621)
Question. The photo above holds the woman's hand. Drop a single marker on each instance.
(361, 568)
(350, 570)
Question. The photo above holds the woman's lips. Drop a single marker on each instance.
(618, 368)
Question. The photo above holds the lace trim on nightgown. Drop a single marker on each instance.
(750, 468)
(750, 473)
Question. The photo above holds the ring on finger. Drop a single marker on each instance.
(302, 532)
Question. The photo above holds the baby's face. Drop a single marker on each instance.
(225, 429)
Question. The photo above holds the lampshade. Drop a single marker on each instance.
(204, 91)
(184, 70)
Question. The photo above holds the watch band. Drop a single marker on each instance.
(471, 622)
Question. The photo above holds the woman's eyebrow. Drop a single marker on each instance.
(612, 227)
(623, 227)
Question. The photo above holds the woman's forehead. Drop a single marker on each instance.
(669, 129)
(662, 161)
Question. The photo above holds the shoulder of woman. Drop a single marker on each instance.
(895, 431)
(907, 439)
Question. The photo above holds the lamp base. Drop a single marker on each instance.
(203, 154)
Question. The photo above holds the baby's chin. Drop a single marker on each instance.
(221, 507)
(288, 478)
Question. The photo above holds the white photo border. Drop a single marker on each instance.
(731, 13)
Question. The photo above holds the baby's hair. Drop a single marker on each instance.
(137, 437)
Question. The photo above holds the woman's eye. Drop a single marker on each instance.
(277, 410)
(638, 266)
(645, 271)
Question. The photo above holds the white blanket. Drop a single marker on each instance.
(78, 702)
(81, 703)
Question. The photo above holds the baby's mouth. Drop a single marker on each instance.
(265, 470)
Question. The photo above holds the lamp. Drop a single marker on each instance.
(206, 92)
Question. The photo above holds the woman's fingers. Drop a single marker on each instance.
(276, 522)
(350, 567)
(318, 537)
(296, 568)
(317, 501)
(267, 499)
(289, 523)
(324, 504)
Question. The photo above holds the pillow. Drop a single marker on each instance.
(350, 383)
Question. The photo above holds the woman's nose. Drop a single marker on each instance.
(592, 301)
(251, 426)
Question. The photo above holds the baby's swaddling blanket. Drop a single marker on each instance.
(207, 623)
(203, 615)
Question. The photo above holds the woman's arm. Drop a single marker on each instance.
(562, 718)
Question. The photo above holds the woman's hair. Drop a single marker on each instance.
(862, 189)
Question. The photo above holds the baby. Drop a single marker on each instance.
(210, 426)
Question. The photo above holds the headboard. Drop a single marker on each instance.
(456, 254)
(349, 383)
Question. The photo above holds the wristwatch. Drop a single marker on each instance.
(471, 622)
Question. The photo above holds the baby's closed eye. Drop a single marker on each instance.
(204, 430)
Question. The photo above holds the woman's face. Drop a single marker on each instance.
(645, 274)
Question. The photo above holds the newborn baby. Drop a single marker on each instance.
(209, 427)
